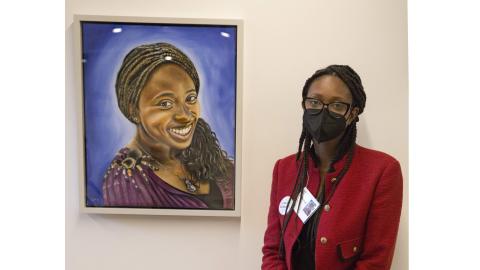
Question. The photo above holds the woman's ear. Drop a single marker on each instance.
(353, 115)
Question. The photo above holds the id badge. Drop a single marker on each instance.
(308, 205)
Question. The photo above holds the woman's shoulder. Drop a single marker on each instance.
(287, 164)
(129, 158)
(374, 155)
(127, 181)
(121, 154)
(374, 162)
(125, 161)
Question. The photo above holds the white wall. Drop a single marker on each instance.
(284, 42)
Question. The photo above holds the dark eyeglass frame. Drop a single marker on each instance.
(336, 115)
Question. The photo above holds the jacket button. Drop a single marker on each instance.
(355, 249)
(326, 207)
(323, 240)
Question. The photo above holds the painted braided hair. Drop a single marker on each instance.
(305, 144)
(203, 159)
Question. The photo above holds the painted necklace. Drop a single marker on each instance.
(148, 160)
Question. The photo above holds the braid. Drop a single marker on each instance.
(346, 142)
(288, 211)
(300, 183)
(304, 174)
(300, 143)
(354, 84)
(204, 159)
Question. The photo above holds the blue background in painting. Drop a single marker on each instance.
(107, 130)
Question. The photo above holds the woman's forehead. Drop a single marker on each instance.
(171, 72)
(329, 86)
(170, 78)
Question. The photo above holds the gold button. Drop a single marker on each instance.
(327, 208)
(333, 179)
(323, 240)
(355, 249)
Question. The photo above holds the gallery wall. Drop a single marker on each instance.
(284, 43)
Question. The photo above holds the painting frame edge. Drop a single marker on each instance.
(78, 93)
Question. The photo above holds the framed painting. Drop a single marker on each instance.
(160, 107)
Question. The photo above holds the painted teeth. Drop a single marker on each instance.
(181, 131)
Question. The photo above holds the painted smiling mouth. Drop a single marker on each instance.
(182, 131)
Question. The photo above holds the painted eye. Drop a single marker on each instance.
(165, 104)
(191, 99)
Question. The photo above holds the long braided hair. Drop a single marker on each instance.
(305, 144)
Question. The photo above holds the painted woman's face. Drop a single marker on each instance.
(169, 108)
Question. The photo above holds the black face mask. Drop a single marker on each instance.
(322, 126)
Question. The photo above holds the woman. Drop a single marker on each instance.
(348, 198)
(174, 160)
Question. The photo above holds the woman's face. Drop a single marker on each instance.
(169, 108)
(328, 89)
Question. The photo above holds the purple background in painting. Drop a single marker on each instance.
(211, 48)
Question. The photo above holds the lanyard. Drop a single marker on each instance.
(321, 194)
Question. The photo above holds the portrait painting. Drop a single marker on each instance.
(160, 110)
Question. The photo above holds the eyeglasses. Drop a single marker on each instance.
(336, 109)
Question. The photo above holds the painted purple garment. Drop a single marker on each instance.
(139, 186)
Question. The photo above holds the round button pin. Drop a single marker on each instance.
(323, 240)
(282, 206)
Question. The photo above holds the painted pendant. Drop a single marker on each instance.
(191, 187)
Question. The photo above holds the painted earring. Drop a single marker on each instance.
(135, 119)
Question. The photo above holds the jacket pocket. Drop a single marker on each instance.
(347, 250)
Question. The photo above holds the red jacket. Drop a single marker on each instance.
(359, 229)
